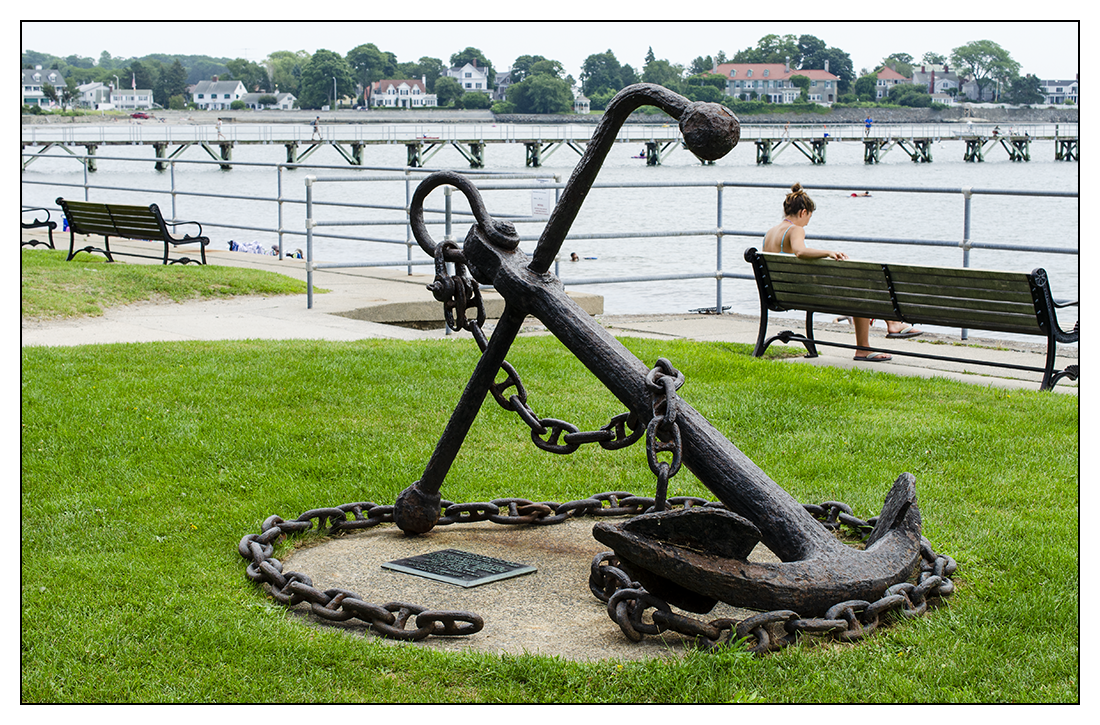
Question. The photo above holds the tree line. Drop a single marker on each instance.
(537, 84)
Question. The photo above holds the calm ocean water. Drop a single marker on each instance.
(1031, 221)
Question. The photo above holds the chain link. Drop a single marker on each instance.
(627, 601)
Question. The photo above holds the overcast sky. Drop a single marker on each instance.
(1047, 49)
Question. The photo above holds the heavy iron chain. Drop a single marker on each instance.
(627, 601)
(847, 621)
(459, 293)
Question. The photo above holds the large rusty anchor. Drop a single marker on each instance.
(694, 556)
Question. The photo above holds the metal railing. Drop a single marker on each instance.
(496, 181)
(148, 133)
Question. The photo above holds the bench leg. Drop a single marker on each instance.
(761, 346)
(1052, 376)
(811, 348)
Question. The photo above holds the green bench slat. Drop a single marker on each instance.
(1024, 307)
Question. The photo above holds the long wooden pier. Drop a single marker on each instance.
(424, 141)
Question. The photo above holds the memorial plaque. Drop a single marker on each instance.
(459, 567)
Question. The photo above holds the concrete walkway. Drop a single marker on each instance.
(368, 303)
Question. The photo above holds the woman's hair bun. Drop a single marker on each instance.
(796, 187)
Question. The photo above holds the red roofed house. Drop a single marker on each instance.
(887, 79)
(400, 94)
(773, 82)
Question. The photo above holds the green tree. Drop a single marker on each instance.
(802, 82)
(324, 69)
(474, 57)
(1024, 90)
(107, 62)
(447, 91)
(285, 68)
(900, 62)
(171, 81)
(663, 73)
(177, 103)
(521, 67)
(865, 87)
(907, 94)
(708, 94)
(772, 48)
(931, 58)
(815, 54)
(475, 100)
(701, 65)
(601, 72)
(541, 93)
(140, 76)
(432, 70)
(985, 62)
(79, 61)
(50, 92)
(370, 64)
(252, 75)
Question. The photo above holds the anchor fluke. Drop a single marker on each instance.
(691, 559)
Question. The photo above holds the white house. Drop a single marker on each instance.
(398, 93)
(283, 101)
(217, 95)
(132, 98)
(34, 79)
(470, 77)
(936, 79)
(93, 95)
(1059, 92)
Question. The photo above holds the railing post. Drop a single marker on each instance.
(172, 183)
(967, 193)
(279, 206)
(409, 240)
(718, 249)
(309, 241)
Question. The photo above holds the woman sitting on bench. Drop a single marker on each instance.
(789, 237)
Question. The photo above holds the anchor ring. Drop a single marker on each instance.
(500, 233)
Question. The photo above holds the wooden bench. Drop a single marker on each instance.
(39, 221)
(128, 222)
(1012, 302)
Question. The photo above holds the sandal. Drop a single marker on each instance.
(907, 331)
(874, 357)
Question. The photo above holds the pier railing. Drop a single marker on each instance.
(150, 132)
(318, 214)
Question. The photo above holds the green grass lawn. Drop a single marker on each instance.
(54, 288)
(144, 464)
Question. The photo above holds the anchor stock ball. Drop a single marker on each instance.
(710, 130)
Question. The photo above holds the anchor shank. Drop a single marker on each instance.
(786, 527)
(418, 507)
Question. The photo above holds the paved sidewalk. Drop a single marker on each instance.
(367, 303)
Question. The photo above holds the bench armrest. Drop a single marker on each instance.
(36, 209)
(186, 236)
(1065, 303)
